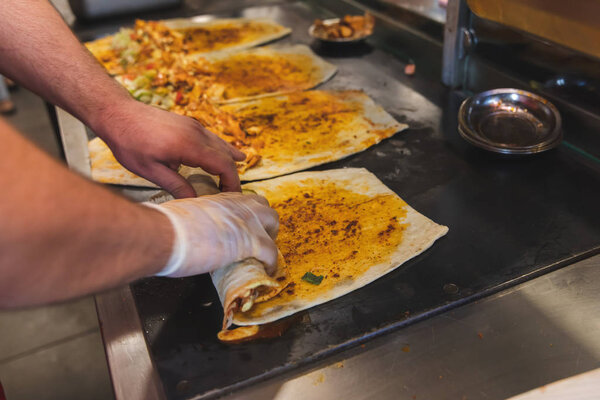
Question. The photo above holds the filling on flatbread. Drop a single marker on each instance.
(156, 44)
(299, 130)
(143, 46)
(243, 284)
(339, 230)
(229, 77)
(240, 285)
(282, 134)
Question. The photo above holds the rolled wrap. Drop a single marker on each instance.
(242, 284)
(239, 285)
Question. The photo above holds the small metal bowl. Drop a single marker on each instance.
(510, 121)
(313, 33)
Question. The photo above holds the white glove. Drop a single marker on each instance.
(214, 231)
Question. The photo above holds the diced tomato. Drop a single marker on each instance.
(150, 66)
(178, 97)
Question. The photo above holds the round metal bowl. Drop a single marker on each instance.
(510, 121)
(331, 21)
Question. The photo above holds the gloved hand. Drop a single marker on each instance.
(214, 231)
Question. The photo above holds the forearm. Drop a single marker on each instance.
(38, 50)
(63, 236)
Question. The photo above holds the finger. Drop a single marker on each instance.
(267, 217)
(215, 162)
(228, 148)
(258, 198)
(267, 254)
(230, 181)
(270, 221)
(236, 154)
(257, 206)
(171, 181)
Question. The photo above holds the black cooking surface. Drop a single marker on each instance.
(509, 219)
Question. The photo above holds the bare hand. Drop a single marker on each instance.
(153, 143)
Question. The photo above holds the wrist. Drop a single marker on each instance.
(164, 239)
(178, 248)
(104, 122)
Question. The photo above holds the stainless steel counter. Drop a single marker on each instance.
(508, 343)
(533, 334)
(521, 338)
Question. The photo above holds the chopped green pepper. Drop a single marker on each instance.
(312, 278)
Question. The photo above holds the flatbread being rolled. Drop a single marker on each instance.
(339, 230)
(242, 284)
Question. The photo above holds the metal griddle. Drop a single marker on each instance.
(510, 219)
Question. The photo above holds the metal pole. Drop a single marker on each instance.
(457, 40)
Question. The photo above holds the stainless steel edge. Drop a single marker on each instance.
(455, 30)
(74, 139)
(536, 333)
(131, 368)
(383, 16)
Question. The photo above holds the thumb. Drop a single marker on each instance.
(171, 181)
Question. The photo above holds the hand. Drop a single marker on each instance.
(217, 230)
(153, 143)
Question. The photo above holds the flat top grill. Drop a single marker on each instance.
(510, 219)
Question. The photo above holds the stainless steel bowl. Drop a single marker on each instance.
(331, 21)
(510, 121)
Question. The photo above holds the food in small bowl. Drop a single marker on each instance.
(350, 28)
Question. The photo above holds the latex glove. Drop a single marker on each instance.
(153, 143)
(214, 231)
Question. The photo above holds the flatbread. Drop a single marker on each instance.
(289, 133)
(106, 169)
(229, 77)
(227, 34)
(159, 43)
(242, 284)
(304, 129)
(344, 225)
(263, 71)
